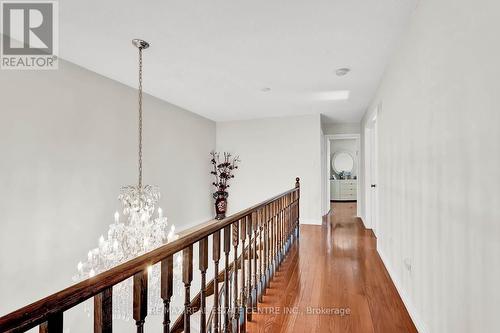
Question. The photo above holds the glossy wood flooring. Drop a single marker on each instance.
(333, 280)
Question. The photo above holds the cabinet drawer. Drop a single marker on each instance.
(346, 187)
(349, 196)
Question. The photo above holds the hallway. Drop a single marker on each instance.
(334, 282)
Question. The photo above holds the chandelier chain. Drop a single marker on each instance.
(140, 117)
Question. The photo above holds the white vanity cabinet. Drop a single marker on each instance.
(343, 189)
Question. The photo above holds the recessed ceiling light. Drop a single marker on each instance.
(342, 71)
(265, 89)
(336, 95)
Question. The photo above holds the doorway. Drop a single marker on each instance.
(342, 166)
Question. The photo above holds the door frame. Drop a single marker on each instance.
(371, 196)
(357, 159)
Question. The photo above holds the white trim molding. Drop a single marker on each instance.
(310, 221)
(412, 311)
(343, 136)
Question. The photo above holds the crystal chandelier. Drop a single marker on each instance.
(141, 232)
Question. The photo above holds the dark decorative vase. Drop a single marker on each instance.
(220, 204)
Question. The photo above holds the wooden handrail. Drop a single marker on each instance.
(50, 309)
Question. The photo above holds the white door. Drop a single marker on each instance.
(371, 174)
(325, 179)
(374, 177)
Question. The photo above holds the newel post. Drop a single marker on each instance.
(297, 186)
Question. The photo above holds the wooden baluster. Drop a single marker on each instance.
(280, 224)
(290, 226)
(295, 216)
(54, 324)
(261, 254)
(140, 299)
(266, 247)
(284, 238)
(187, 277)
(166, 289)
(296, 213)
(270, 247)
(297, 186)
(287, 220)
(292, 217)
(278, 234)
(227, 249)
(103, 311)
(272, 228)
(272, 231)
(216, 258)
(283, 210)
(203, 265)
(282, 230)
(235, 277)
(283, 213)
(243, 294)
(292, 214)
(273, 234)
(255, 221)
(281, 245)
(249, 304)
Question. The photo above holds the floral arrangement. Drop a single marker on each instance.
(223, 171)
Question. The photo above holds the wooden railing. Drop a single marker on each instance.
(259, 236)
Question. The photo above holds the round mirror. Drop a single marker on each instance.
(342, 161)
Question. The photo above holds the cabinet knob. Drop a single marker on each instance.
(374, 185)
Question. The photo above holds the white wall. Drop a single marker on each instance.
(340, 128)
(273, 152)
(68, 142)
(439, 158)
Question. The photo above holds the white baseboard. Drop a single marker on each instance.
(415, 316)
(310, 221)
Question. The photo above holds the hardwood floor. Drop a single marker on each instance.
(333, 280)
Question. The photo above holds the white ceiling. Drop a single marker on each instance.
(214, 57)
